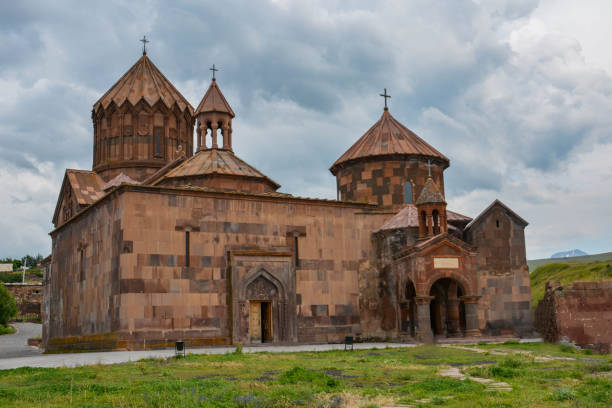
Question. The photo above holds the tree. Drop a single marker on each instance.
(8, 306)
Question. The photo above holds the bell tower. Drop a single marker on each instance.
(214, 119)
(431, 208)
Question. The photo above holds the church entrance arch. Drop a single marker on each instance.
(447, 309)
(264, 303)
(263, 298)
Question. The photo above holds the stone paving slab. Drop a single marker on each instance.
(117, 357)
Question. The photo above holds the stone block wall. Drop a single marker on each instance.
(143, 291)
(82, 285)
(28, 297)
(502, 273)
(161, 295)
(580, 313)
(383, 181)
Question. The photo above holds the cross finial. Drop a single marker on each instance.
(385, 95)
(144, 42)
(429, 165)
(213, 69)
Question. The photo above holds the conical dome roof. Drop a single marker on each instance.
(143, 81)
(216, 161)
(214, 101)
(430, 193)
(388, 137)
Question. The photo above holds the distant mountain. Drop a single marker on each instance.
(570, 253)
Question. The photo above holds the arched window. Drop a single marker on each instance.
(407, 192)
(436, 222)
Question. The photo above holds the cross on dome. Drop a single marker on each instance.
(144, 42)
(385, 95)
(213, 69)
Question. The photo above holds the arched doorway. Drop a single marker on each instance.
(263, 309)
(408, 314)
(447, 310)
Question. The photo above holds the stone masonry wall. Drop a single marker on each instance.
(161, 296)
(142, 292)
(83, 283)
(28, 297)
(581, 313)
(503, 275)
(382, 181)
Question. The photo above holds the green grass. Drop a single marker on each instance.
(369, 378)
(567, 273)
(6, 330)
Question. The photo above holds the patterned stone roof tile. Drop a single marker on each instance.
(215, 161)
(87, 185)
(143, 81)
(388, 137)
(430, 193)
(214, 101)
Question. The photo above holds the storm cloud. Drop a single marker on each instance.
(511, 98)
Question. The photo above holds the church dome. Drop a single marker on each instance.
(389, 166)
(388, 137)
(139, 123)
(143, 81)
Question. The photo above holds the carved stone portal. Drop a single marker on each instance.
(263, 298)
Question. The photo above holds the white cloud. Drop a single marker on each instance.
(515, 93)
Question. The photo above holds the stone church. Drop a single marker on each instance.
(172, 236)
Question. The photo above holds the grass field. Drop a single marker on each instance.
(567, 273)
(369, 378)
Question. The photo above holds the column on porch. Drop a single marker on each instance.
(423, 331)
(471, 316)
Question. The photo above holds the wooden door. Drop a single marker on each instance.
(255, 321)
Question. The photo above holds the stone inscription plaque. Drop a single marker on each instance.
(446, 263)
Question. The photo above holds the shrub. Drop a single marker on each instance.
(563, 394)
(8, 306)
(512, 341)
(566, 348)
(503, 372)
(300, 375)
(238, 349)
(11, 277)
(511, 363)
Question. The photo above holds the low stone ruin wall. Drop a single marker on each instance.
(580, 313)
(28, 297)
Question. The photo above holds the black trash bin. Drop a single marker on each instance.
(179, 348)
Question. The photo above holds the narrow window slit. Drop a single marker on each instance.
(186, 248)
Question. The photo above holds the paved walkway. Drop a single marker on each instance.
(116, 357)
(16, 344)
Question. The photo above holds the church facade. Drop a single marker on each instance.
(174, 237)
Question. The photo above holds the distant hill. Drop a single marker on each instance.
(568, 272)
(569, 254)
(534, 263)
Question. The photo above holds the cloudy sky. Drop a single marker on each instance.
(517, 93)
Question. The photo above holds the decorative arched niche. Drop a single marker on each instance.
(263, 284)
